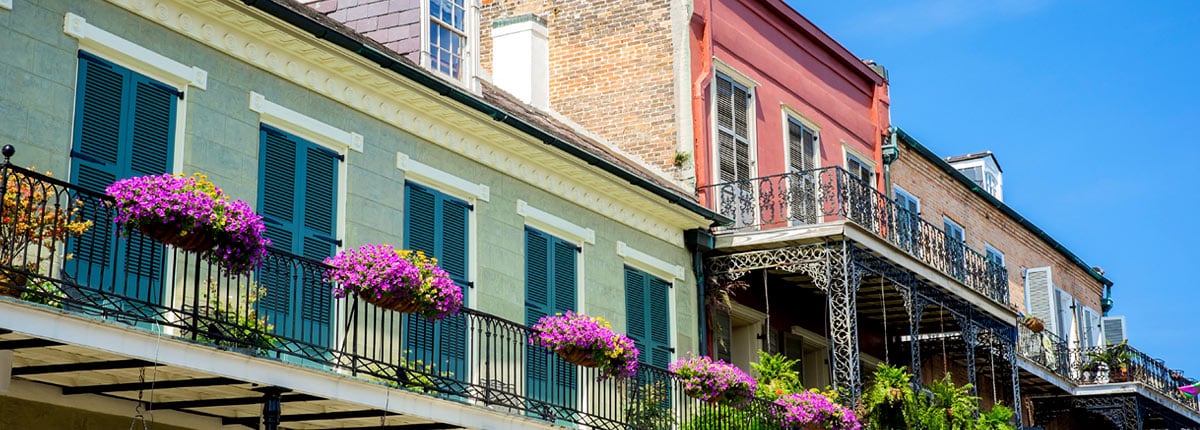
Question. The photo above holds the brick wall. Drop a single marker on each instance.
(942, 195)
(394, 23)
(610, 68)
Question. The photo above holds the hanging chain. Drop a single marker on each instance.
(138, 412)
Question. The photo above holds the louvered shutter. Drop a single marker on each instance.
(563, 292)
(124, 128)
(537, 305)
(319, 194)
(1089, 327)
(1039, 299)
(660, 322)
(453, 258)
(1064, 316)
(733, 130)
(1114, 330)
(437, 225)
(277, 204)
(636, 309)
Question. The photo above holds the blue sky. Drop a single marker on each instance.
(1092, 109)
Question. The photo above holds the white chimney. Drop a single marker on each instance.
(520, 59)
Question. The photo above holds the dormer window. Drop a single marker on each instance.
(447, 36)
(982, 169)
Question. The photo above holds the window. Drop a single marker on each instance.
(550, 287)
(648, 313)
(733, 130)
(438, 225)
(298, 203)
(955, 249)
(908, 220)
(124, 127)
(993, 255)
(860, 169)
(447, 36)
(802, 144)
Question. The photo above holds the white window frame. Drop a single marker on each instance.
(790, 115)
(312, 130)
(848, 153)
(723, 68)
(898, 190)
(454, 186)
(988, 248)
(948, 220)
(470, 61)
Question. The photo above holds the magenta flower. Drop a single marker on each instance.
(809, 408)
(193, 204)
(614, 354)
(714, 381)
(381, 273)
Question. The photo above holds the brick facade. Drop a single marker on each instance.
(942, 195)
(611, 69)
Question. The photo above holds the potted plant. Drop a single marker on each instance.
(777, 376)
(400, 280)
(886, 403)
(587, 341)
(1116, 358)
(1094, 371)
(1033, 323)
(814, 410)
(715, 382)
(192, 214)
(34, 219)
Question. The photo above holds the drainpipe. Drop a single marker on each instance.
(699, 242)
(891, 152)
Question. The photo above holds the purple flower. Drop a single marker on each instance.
(615, 354)
(191, 204)
(383, 272)
(714, 381)
(813, 408)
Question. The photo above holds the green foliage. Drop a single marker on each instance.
(231, 320)
(946, 406)
(887, 403)
(1115, 356)
(777, 376)
(650, 409)
(998, 418)
(414, 375)
(43, 292)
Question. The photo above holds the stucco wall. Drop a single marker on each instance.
(221, 139)
(942, 195)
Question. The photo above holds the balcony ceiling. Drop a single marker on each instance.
(78, 370)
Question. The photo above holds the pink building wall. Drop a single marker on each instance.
(795, 65)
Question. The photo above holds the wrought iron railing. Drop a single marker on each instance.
(832, 193)
(1103, 365)
(471, 357)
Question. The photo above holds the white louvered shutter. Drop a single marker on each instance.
(1065, 322)
(1039, 297)
(1114, 330)
(1090, 333)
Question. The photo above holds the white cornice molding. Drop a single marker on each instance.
(552, 224)
(96, 40)
(255, 39)
(649, 263)
(441, 180)
(304, 126)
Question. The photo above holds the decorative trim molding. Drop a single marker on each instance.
(247, 36)
(441, 180)
(305, 126)
(542, 220)
(649, 263)
(96, 40)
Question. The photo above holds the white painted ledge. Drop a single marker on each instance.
(649, 263)
(110, 46)
(562, 228)
(304, 126)
(441, 180)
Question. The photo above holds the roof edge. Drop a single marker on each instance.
(1005, 209)
(835, 47)
(414, 73)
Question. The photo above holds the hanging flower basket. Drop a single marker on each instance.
(192, 214)
(398, 280)
(815, 410)
(1034, 324)
(589, 342)
(716, 382)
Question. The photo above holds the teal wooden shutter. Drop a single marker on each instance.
(648, 316)
(298, 201)
(125, 126)
(550, 284)
(437, 224)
